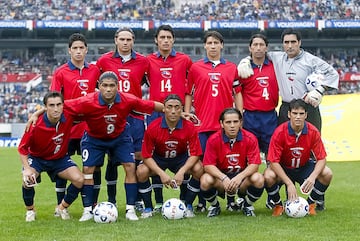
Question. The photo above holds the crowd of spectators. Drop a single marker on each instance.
(179, 10)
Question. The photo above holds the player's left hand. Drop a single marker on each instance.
(314, 97)
(307, 186)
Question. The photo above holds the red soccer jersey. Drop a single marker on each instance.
(168, 76)
(260, 91)
(292, 151)
(72, 83)
(107, 121)
(232, 158)
(159, 140)
(213, 89)
(130, 73)
(45, 140)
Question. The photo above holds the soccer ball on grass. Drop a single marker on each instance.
(173, 209)
(297, 209)
(105, 212)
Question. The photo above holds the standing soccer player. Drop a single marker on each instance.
(44, 148)
(105, 113)
(231, 163)
(291, 147)
(130, 68)
(212, 83)
(292, 66)
(260, 95)
(74, 79)
(167, 74)
(170, 142)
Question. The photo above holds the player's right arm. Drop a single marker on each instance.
(279, 171)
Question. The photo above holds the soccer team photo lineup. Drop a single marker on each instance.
(209, 128)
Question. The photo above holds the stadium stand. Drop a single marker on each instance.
(179, 10)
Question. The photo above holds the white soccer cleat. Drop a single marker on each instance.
(87, 215)
(56, 212)
(147, 213)
(30, 216)
(64, 214)
(189, 213)
(131, 215)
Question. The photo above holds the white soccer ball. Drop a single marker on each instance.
(314, 80)
(173, 209)
(297, 209)
(105, 212)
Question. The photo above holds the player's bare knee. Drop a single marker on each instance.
(142, 173)
(326, 176)
(269, 177)
(205, 182)
(257, 179)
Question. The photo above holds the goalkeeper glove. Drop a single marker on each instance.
(314, 97)
(244, 68)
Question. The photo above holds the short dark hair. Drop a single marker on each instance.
(108, 75)
(289, 31)
(173, 97)
(214, 34)
(165, 27)
(52, 94)
(230, 111)
(258, 35)
(126, 29)
(297, 103)
(77, 37)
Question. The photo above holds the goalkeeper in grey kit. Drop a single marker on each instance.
(292, 66)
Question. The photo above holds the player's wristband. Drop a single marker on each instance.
(223, 178)
(320, 90)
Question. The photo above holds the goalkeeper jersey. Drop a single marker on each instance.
(291, 73)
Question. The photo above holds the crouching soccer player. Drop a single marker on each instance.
(44, 148)
(291, 147)
(170, 142)
(231, 162)
(105, 113)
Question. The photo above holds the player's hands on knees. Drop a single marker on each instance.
(29, 177)
(292, 193)
(244, 68)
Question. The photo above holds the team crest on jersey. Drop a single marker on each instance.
(263, 81)
(171, 145)
(214, 77)
(110, 118)
(58, 140)
(291, 76)
(83, 84)
(166, 73)
(124, 74)
(233, 159)
(296, 151)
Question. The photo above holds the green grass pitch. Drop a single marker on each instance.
(340, 220)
